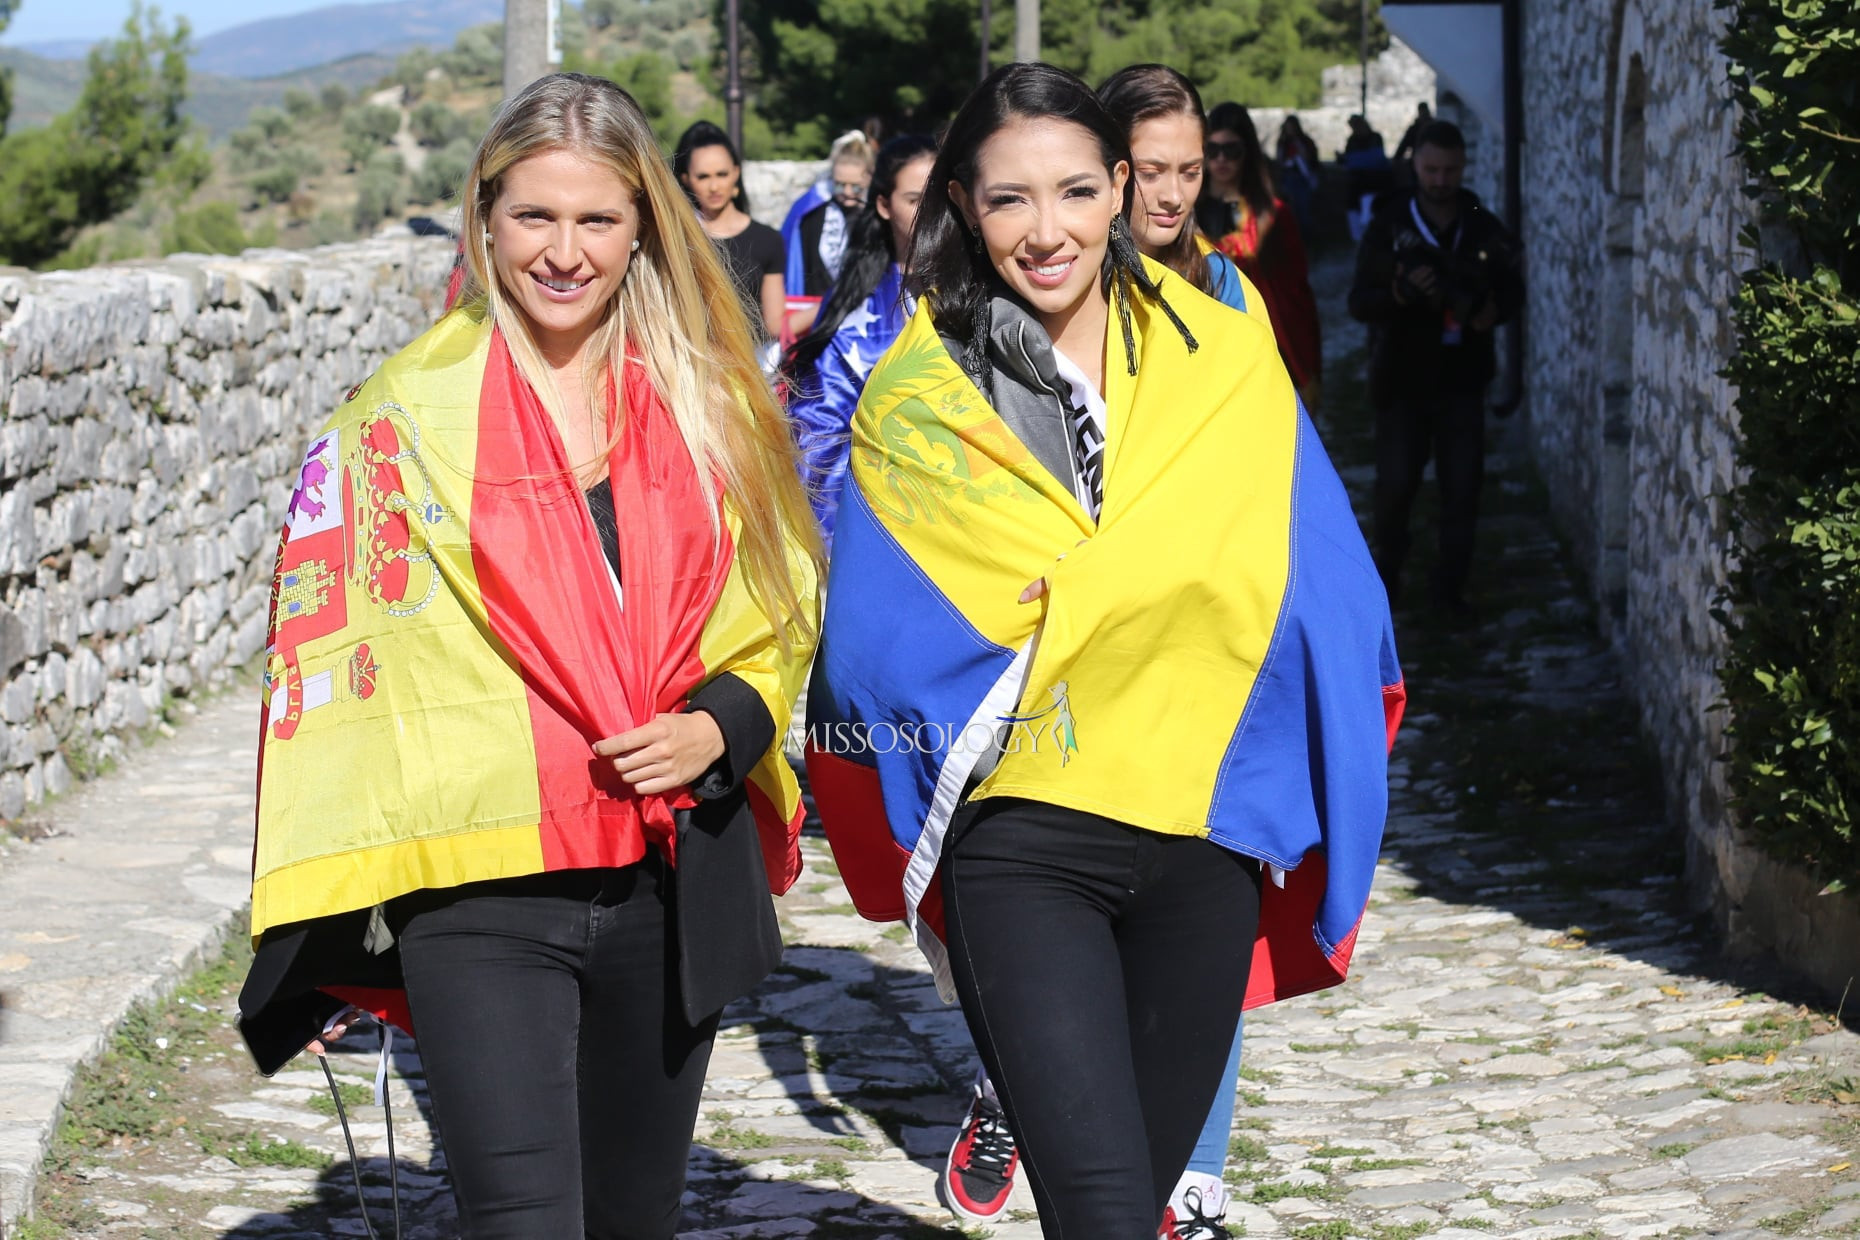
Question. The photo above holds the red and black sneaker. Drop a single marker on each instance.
(980, 1173)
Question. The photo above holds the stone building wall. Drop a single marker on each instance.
(1633, 203)
(150, 417)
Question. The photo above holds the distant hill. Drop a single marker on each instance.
(43, 88)
(301, 41)
(264, 49)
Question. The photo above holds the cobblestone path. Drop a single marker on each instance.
(1538, 1040)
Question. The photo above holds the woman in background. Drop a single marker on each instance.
(1246, 219)
(1161, 112)
(858, 321)
(707, 166)
(823, 232)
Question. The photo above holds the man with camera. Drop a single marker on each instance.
(1435, 273)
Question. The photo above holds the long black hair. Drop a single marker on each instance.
(1255, 172)
(953, 273)
(1145, 93)
(868, 252)
(700, 135)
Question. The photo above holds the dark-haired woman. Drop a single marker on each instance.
(1162, 116)
(1070, 699)
(707, 166)
(1243, 215)
(858, 321)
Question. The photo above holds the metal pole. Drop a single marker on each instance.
(1026, 29)
(1362, 44)
(526, 43)
(733, 86)
(988, 29)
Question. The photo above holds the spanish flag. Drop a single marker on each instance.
(1213, 657)
(447, 640)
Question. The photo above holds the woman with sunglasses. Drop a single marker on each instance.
(1023, 540)
(1246, 220)
(825, 229)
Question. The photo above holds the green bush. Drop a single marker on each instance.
(92, 162)
(209, 229)
(477, 55)
(379, 192)
(1792, 607)
(367, 129)
(333, 98)
(284, 172)
(435, 124)
(272, 123)
(300, 103)
(443, 174)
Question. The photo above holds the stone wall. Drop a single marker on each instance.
(1398, 80)
(150, 417)
(1632, 207)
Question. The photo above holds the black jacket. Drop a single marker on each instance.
(1410, 356)
(728, 940)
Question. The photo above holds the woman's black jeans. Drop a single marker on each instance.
(1101, 969)
(565, 1080)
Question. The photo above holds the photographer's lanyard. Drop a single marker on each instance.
(1449, 327)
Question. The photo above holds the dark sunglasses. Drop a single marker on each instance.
(849, 189)
(1226, 150)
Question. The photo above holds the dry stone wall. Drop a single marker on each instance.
(1633, 203)
(150, 417)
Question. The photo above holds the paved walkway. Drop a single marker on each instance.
(1537, 1042)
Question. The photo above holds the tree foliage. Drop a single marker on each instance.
(93, 161)
(1792, 672)
(817, 66)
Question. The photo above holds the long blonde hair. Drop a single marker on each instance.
(678, 312)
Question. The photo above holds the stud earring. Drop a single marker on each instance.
(635, 244)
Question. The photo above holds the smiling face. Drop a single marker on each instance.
(562, 228)
(899, 208)
(1168, 156)
(1044, 202)
(711, 176)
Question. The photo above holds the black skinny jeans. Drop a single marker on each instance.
(1101, 970)
(1451, 430)
(565, 1080)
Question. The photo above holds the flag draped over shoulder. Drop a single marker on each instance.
(448, 641)
(1214, 656)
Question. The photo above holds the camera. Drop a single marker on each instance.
(1461, 285)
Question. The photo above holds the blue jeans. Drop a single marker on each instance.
(1210, 1156)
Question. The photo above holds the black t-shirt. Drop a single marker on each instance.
(600, 499)
(755, 252)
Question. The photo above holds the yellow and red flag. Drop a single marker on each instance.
(448, 641)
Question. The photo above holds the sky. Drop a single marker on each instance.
(35, 21)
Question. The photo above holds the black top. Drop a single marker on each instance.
(601, 507)
(750, 255)
(819, 280)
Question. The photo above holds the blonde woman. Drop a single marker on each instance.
(545, 592)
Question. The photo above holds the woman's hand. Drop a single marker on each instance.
(670, 752)
(1036, 589)
(333, 1031)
